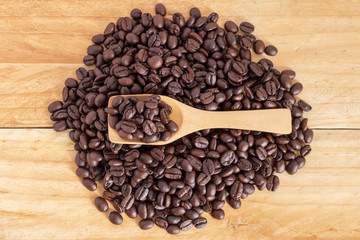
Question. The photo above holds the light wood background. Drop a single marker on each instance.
(43, 42)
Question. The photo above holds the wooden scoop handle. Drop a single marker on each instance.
(264, 120)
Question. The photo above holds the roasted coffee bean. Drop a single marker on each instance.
(115, 218)
(131, 212)
(259, 47)
(197, 62)
(55, 106)
(173, 173)
(155, 62)
(186, 225)
(101, 204)
(172, 126)
(272, 183)
(218, 214)
(200, 222)
(173, 229)
(304, 151)
(160, 9)
(296, 88)
(128, 127)
(247, 27)
(60, 126)
(304, 106)
(308, 135)
(161, 223)
(146, 224)
(208, 167)
(236, 190)
(292, 167)
(230, 26)
(227, 158)
(271, 50)
(89, 184)
(173, 219)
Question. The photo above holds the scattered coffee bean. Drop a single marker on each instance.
(271, 50)
(115, 218)
(259, 47)
(146, 224)
(160, 9)
(101, 204)
(89, 184)
(195, 61)
(247, 27)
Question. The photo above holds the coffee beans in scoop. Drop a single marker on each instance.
(202, 64)
(146, 120)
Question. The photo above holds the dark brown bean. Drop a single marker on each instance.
(101, 204)
(115, 218)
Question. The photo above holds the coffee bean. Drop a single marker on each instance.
(149, 127)
(98, 39)
(195, 12)
(110, 28)
(259, 47)
(230, 26)
(115, 218)
(146, 224)
(271, 50)
(200, 222)
(135, 13)
(55, 106)
(161, 223)
(304, 106)
(155, 62)
(160, 9)
(236, 190)
(296, 88)
(131, 212)
(208, 167)
(272, 183)
(173, 229)
(292, 167)
(60, 126)
(173, 173)
(256, 69)
(173, 219)
(235, 204)
(126, 82)
(172, 126)
(186, 225)
(101, 204)
(203, 179)
(89, 184)
(247, 27)
(218, 214)
(227, 158)
(305, 150)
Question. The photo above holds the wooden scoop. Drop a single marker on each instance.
(190, 120)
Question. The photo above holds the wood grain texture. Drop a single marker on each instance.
(42, 198)
(43, 43)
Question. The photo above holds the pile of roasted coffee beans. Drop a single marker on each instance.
(146, 120)
(201, 64)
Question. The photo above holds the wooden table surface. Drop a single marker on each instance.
(42, 43)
